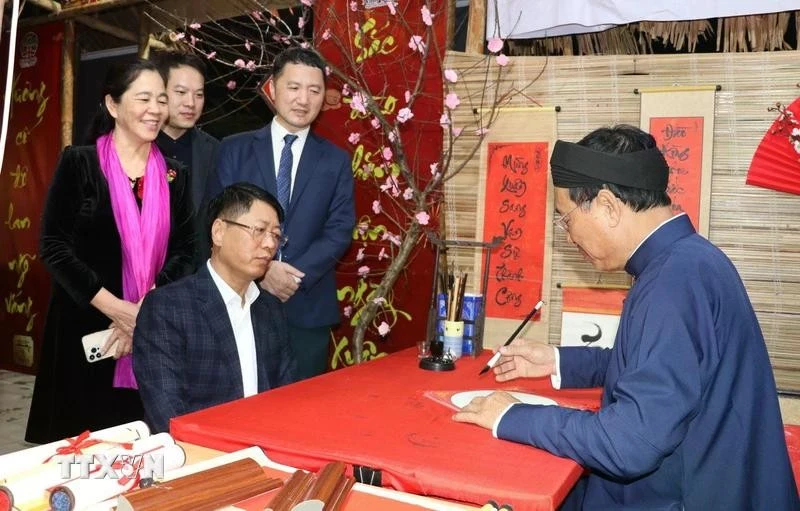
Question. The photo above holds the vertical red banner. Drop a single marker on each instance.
(681, 141)
(31, 155)
(516, 197)
(369, 40)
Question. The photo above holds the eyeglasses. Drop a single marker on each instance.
(561, 222)
(259, 233)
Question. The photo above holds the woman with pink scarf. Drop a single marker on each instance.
(117, 222)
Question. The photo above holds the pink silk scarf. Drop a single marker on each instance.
(143, 234)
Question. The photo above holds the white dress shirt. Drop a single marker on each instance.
(278, 132)
(242, 325)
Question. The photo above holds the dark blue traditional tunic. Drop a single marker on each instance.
(689, 417)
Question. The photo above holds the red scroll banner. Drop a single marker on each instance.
(681, 141)
(31, 154)
(369, 41)
(516, 197)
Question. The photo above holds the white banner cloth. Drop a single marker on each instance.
(527, 19)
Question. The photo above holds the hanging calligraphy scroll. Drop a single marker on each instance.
(682, 121)
(590, 316)
(517, 204)
(30, 159)
(516, 195)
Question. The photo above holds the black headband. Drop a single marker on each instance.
(575, 166)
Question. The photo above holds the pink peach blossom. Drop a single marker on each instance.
(451, 101)
(404, 114)
(357, 103)
(427, 17)
(495, 44)
(416, 43)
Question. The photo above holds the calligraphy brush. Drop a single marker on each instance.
(492, 361)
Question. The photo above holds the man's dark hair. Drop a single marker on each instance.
(297, 55)
(169, 60)
(620, 139)
(236, 200)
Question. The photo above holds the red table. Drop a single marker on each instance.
(377, 414)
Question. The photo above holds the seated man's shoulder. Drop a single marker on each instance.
(269, 301)
(184, 287)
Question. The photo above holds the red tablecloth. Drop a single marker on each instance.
(376, 414)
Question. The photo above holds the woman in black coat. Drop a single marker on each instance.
(82, 246)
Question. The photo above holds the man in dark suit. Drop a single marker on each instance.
(314, 182)
(180, 138)
(215, 336)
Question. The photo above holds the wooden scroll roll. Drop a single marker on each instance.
(327, 481)
(340, 493)
(293, 492)
(203, 491)
(329, 489)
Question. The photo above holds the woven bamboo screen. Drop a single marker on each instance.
(757, 228)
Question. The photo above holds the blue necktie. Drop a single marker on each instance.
(285, 173)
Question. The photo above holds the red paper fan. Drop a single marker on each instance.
(776, 162)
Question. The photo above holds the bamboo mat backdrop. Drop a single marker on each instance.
(757, 228)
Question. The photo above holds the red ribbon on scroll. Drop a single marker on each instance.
(516, 197)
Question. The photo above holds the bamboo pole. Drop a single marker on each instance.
(144, 33)
(476, 30)
(2, 10)
(50, 5)
(100, 5)
(67, 83)
(451, 24)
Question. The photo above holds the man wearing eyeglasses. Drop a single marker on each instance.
(313, 180)
(216, 336)
(689, 417)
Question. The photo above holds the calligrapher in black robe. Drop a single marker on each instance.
(81, 248)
